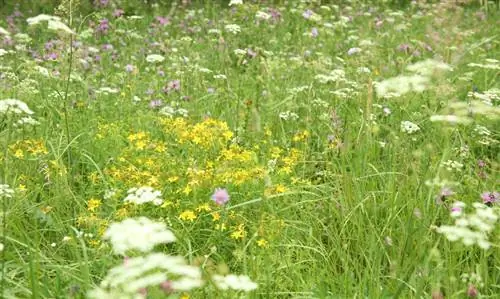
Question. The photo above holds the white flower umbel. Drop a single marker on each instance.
(235, 2)
(6, 191)
(428, 67)
(233, 28)
(154, 58)
(54, 23)
(401, 85)
(234, 282)
(143, 195)
(409, 127)
(472, 229)
(139, 234)
(141, 272)
(14, 106)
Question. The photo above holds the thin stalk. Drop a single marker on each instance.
(68, 82)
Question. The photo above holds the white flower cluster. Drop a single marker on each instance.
(233, 28)
(14, 106)
(6, 191)
(137, 234)
(235, 2)
(171, 111)
(234, 282)
(143, 195)
(472, 228)
(416, 82)
(453, 165)
(287, 115)
(409, 127)
(491, 64)
(151, 270)
(337, 75)
(54, 23)
(154, 58)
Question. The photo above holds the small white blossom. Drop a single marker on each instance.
(287, 115)
(6, 191)
(143, 195)
(409, 127)
(233, 28)
(235, 2)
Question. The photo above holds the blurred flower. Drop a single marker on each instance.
(235, 2)
(13, 106)
(490, 197)
(234, 282)
(409, 127)
(353, 51)
(154, 58)
(139, 234)
(220, 196)
(6, 191)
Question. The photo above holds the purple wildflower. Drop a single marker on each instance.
(490, 197)
(129, 68)
(404, 47)
(443, 194)
(220, 196)
(174, 85)
(314, 32)
(307, 14)
(118, 13)
(481, 164)
(155, 103)
(103, 26)
(163, 20)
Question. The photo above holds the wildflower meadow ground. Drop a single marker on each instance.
(249, 149)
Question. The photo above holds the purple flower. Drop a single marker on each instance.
(404, 47)
(129, 68)
(314, 32)
(103, 26)
(490, 197)
(163, 21)
(107, 47)
(307, 14)
(251, 53)
(118, 13)
(443, 194)
(174, 85)
(220, 196)
(481, 164)
(155, 103)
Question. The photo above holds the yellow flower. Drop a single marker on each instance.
(19, 154)
(280, 188)
(239, 233)
(187, 215)
(22, 188)
(215, 216)
(93, 204)
(184, 296)
(204, 207)
(262, 243)
(46, 209)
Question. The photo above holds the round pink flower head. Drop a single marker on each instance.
(220, 196)
(490, 197)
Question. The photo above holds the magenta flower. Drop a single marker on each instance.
(307, 14)
(220, 196)
(443, 194)
(103, 26)
(118, 13)
(490, 197)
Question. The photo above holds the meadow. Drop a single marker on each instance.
(250, 150)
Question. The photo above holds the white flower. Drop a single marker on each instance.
(235, 282)
(353, 51)
(107, 90)
(428, 67)
(453, 119)
(287, 115)
(262, 15)
(54, 23)
(409, 127)
(1, 247)
(59, 26)
(139, 234)
(141, 272)
(240, 52)
(220, 76)
(6, 191)
(143, 195)
(154, 58)
(235, 2)
(233, 28)
(14, 106)
(3, 52)
(4, 32)
(26, 121)
(453, 165)
(400, 85)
